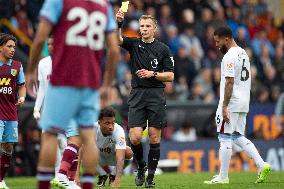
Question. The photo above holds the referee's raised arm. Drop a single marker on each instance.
(119, 18)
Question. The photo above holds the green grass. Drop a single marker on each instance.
(177, 181)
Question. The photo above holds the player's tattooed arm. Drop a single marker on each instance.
(120, 157)
(228, 90)
(227, 96)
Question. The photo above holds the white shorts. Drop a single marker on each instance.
(237, 148)
(237, 122)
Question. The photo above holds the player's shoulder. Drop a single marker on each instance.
(96, 125)
(93, 4)
(16, 63)
(161, 44)
(118, 128)
(232, 53)
(44, 61)
(162, 47)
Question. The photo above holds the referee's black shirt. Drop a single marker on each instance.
(155, 56)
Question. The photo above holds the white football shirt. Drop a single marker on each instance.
(108, 144)
(44, 71)
(235, 63)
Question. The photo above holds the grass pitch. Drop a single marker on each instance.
(243, 180)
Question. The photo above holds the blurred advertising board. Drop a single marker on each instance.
(202, 155)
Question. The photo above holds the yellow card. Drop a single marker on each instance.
(124, 6)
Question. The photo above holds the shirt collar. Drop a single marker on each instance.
(9, 63)
(148, 42)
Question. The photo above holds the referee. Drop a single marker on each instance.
(151, 64)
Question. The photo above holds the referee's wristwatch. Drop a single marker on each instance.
(154, 74)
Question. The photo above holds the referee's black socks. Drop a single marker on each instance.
(138, 154)
(153, 159)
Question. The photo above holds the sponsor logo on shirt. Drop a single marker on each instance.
(106, 150)
(5, 81)
(111, 141)
(229, 66)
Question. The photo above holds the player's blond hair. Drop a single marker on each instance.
(145, 17)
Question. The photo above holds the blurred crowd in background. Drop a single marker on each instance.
(187, 27)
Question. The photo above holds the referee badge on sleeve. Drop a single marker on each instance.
(13, 72)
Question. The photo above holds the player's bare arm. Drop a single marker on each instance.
(119, 18)
(161, 76)
(22, 95)
(43, 31)
(113, 56)
(227, 96)
(120, 157)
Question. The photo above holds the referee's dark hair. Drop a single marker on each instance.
(4, 38)
(107, 112)
(144, 17)
(223, 31)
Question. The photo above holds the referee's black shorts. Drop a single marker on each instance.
(147, 104)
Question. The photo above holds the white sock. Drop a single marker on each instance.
(112, 170)
(62, 144)
(58, 160)
(225, 154)
(100, 170)
(250, 150)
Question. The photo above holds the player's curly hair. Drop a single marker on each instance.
(4, 38)
(223, 31)
(106, 112)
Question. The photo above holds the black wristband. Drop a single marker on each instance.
(119, 24)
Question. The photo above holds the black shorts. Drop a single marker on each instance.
(147, 104)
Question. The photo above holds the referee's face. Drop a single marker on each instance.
(147, 28)
(107, 125)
